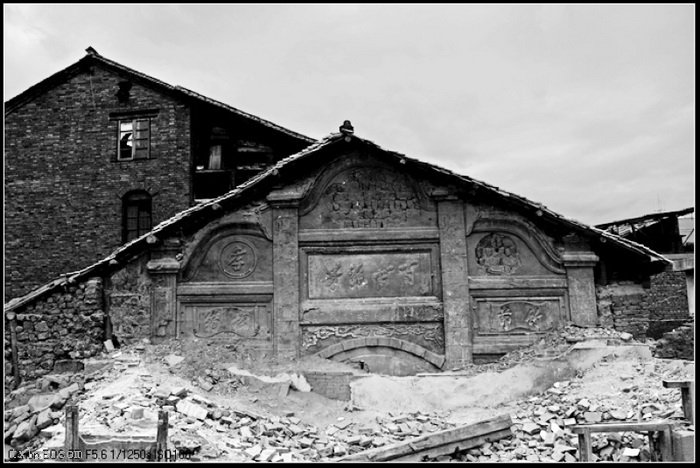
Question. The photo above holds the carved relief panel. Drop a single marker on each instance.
(428, 335)
(232, 258)
(374, 197)
(504, 253)
(513, 315)
(236, 321)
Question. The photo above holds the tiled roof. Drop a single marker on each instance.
(129, 249)
(624, 227)
(180, 91)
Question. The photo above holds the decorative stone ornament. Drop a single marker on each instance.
(238, 259)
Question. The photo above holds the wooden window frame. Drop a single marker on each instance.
(143, 202)
(144, 143)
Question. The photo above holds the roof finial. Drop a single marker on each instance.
(347, 128)
(91, 51)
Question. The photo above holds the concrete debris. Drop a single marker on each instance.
(191, 409)
(173, 360)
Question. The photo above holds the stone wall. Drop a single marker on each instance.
(64, 325)
(333, 385)
(63, 184)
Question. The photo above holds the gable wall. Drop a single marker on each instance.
(361, 261)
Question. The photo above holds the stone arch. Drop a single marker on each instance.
(383, 342)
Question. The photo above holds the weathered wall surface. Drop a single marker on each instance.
(63, 185)
(63, 325)
(677, 344)
(624, 305)
(652, 311)
(333, 385)
(128, 294)
(667, 301)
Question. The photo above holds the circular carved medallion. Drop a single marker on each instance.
(498, 254)
(238, 259)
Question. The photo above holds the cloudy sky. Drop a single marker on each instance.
(589, 110)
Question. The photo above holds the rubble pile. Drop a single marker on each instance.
(199, 428)
(542, 423)
(37, 407)
(554, 343)
(677, 344)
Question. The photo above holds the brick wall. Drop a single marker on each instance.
(333, 385)
(63, 325)
(627, 306)
(677, 344)
(623, 306)
(668, 302)
(63, 186)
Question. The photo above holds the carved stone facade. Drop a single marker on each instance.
(357, 255)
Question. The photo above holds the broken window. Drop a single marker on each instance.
(134, 139)
(136, 215)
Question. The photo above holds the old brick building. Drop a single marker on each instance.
(668, 300)
(350, 252)
(98, 153)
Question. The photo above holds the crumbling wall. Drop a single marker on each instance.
(668, 302)
(128, 294)
(333, 385)
(63, 325)
(677, 344)
(630, 307)
(624, 306)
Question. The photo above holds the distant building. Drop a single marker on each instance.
(98, 154)
(671, 233)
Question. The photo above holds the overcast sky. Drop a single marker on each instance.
(589, 110)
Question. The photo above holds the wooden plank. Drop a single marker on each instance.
(666, 445)
(12, 317)
(677, 383)
(71, 442)
(448, 437)
(454, 447)
(585, 450)
(688, 402)
(162, 435)
(622, 427)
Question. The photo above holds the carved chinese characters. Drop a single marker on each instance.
(369, 275)
(229, 257)
(498, 254)
(239, 321)
(517, 316)
(238, 259)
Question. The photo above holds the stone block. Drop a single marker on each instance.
(66, 366)
(40, 401)
(44, 419)
(191, 410)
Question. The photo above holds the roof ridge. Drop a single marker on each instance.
(15, 102)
